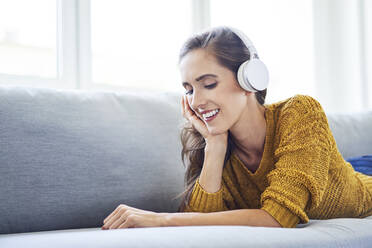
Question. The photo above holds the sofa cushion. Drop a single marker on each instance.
(362, 164)
(317, 233)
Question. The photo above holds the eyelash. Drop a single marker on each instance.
(211, 86)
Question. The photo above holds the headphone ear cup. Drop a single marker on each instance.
(253, 75)
(242, 79)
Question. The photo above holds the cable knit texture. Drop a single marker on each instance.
(301, 175)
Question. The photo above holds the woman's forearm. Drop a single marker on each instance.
(244, 217)
(211, 175)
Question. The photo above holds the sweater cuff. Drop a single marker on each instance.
(281, 214)
(202, 201)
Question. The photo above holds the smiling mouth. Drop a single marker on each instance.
(211, 115)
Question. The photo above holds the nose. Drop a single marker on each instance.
(198, 101)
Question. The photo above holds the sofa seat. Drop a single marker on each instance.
(342, 232)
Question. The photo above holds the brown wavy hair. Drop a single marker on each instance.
(230, 52)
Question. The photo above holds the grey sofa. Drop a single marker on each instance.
(68, 158)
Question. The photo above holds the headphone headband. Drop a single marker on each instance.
(247, 42)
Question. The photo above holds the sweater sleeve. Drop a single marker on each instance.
(205, 202)
(298, 180)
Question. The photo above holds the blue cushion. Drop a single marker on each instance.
(362, 164)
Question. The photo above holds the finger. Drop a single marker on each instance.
(118, 222)
(124, 218)
(196, 122)
(188, 111)
(120, 207)
(112, 214)
(182, 107)
(114, 218)
(186, 103)
(127, 224)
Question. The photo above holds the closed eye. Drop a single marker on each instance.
(211, 86)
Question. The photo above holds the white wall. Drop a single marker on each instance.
(339, 55)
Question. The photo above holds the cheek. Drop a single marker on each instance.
(234, 109)
(236, 99)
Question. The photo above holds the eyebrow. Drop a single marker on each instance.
(200, 78)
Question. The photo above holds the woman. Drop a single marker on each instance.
(250, 163)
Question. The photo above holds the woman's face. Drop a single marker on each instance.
(210, 86)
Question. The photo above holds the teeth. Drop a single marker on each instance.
(211, 113)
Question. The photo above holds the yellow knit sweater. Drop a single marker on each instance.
(301, 175)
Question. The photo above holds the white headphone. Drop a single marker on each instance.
(252, 74)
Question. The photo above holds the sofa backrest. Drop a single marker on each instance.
(352, 132)
(68, 158)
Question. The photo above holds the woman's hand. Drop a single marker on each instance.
(128, 217)
(190, 115)
(199, 124)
